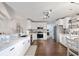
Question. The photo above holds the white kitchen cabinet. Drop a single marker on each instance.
(18, 49)
(34, 36)
(22, 47)
(62, 39)
(59, 22)
(8, 51)
(66, 22)
(39, 24)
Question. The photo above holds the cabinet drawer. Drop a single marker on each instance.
(8, 51)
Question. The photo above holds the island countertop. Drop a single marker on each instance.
(8, 43)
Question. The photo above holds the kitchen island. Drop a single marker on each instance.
(15, 47)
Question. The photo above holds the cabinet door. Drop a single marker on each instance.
(8, 51)
(22, 47)
(12, 51)
(26, 45)
(18, 49)
(5, 52)
(60, 22)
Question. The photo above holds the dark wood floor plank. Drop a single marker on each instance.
(49, 48)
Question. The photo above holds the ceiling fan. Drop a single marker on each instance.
(46, 13)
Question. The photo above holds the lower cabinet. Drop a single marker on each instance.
(63, 40)
(18, 49)
(8, 51)
(22, 47)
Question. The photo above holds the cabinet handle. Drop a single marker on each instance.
(12, 49)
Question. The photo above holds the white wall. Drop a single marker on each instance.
(24, 23)
(7, 25)
(4, 11)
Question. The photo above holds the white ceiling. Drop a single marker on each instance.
(34, 10)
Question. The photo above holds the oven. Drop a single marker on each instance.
(39, 35)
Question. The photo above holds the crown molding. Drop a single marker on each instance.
(35, 21)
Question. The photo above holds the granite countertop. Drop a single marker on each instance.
(6, 44)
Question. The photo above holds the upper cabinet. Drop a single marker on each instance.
(35, 25)
(60, 22)
(64, 22)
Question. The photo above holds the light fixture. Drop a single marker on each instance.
(46, 13)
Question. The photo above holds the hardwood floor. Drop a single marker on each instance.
(49, 48)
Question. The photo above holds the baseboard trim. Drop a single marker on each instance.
(63, 45)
